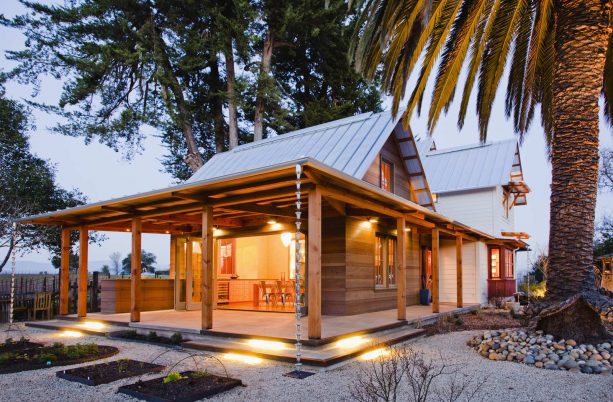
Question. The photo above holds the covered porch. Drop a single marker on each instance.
(340, 218)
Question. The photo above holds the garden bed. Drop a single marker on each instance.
(52, 356)
(184, 387)
(11, 346)
(478, 319)
(105, 373)
(152, 337)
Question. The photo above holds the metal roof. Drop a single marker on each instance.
(349, 145)
(470, 167)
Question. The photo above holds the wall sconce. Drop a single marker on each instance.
(373, 220)
(271, 221)
(286, 238)
(216, 231)
(407, 229)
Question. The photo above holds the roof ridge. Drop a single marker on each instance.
(468, 146)
(306, 131)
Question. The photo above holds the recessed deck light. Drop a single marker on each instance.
(262, 344)
(242, 358)
(351, 342)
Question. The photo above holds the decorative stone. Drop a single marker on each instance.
(571, 342)
(538, 364)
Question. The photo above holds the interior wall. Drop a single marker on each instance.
(261, 257)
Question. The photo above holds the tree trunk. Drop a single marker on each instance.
(581, 41)
(218, 117)
(264, 76)
(170, 81)
(232, 113)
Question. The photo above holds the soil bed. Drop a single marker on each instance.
(480, 319)
(19, 346)
(52, 356)
(152, 337)
(105, 373)
(192, 387)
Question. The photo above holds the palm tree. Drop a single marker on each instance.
(561, 58)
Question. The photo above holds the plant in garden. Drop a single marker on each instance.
(404, 373)
(176, 338)
(172, 377)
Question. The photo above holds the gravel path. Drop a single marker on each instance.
(506, 381)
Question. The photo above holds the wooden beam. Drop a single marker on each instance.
(136, 263)
(314, 264)
(265, 209)
(83, 274)
(191, 197)
(64, 271)
(257, 196)
(419, 222)
(435, 271)
(207, 268)
(357, 201)
(338, 206)
(458, 256)
(401, 277)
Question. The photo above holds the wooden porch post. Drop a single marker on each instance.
(64, 271)
(83, 274)
(458, 253)
(135, 283)
(401, 278)
(207, 267)
(314, 264)
(435, 272)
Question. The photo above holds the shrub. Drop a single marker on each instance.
(536, 290)
(176, 338)
(6, 357)
(152, 336)
(47, 357)
(129, 334)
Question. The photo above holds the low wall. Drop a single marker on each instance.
(157, 294)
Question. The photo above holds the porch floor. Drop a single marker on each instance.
(270, 324)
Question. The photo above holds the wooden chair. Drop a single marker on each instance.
(266, 294)
(42, 303)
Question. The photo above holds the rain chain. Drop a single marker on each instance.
(298, 297)
(14, 266)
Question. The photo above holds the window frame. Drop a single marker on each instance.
(232, 243)
(498, 263)
(381, 263)
(383, 161)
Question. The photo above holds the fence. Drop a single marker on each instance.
(27, 285)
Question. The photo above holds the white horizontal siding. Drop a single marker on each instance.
(473, 208)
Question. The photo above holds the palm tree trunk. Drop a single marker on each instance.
(581, 41)
(232, 112)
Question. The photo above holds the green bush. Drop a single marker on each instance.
(172, 377)
(6, 357)
(46, 357)
(129, 334)
(535, 289)
(152, 336)
(176, 338)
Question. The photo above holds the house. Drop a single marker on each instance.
(481, 185)
(373, 233)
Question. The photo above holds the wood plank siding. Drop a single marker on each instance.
(348, 256)
(389, 152)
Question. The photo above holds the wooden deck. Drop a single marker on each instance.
(268, 324)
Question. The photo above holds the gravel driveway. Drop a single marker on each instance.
(506, 381)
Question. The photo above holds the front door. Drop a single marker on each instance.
(188, 278)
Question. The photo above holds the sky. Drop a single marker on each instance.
(100, 173)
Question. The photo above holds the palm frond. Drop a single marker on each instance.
(542, 23)
(453, 57)
(495, 56)
(447, 11)
(478, 45)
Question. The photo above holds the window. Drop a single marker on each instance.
(226, 256)
(495, 263)
(385, 261)
(387, 175)
(508, 262)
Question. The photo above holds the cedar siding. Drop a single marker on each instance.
(389, 152)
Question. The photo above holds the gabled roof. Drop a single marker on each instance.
(473, 166)
(349, 145)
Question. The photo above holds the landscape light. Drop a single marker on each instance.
(373, 354)
(262, 344)
(93, 325)
(242, 358)
(71, 334)
(351, 342)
